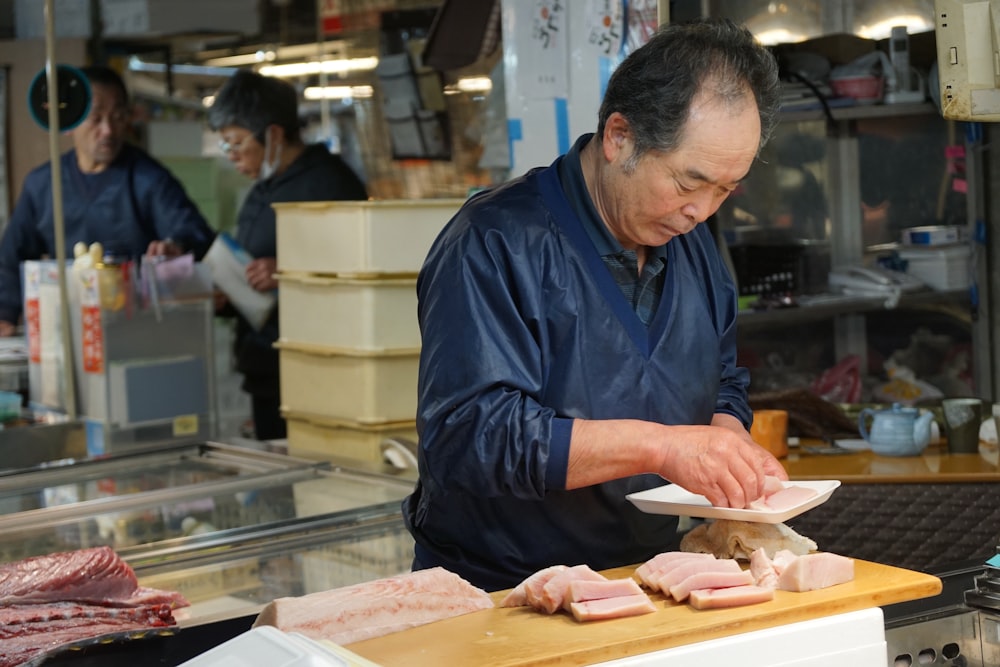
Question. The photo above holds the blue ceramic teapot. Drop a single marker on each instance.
(897, 431)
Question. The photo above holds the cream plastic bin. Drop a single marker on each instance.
(346, 313)
(319, 439)
(359, 238)
(368, 388)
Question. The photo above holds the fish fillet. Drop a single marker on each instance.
(376, 608)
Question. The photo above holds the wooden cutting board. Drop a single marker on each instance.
(522, 636)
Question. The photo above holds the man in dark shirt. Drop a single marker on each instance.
(113, 193)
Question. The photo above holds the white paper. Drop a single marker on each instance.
(229, 265)
(538, 29)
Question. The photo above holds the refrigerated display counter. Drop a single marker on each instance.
(229, 527)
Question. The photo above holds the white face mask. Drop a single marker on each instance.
(269, 168)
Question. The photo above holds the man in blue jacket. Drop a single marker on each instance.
(113, 193)
(579, 328)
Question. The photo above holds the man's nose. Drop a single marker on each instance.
(701, 204)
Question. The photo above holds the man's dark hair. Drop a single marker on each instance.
(254, 102)
(101, 75)
(654, 86)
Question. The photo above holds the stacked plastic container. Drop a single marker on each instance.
(350, 344)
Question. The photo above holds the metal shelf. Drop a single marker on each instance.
(826, 306)
(862, 112)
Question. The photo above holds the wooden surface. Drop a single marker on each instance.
(934, 465)
(522, 636)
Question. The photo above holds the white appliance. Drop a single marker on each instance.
(855, 638)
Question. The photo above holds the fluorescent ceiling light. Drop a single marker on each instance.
(470, 84)
(914, 23)
(475, 84)
(137, 64)
(779, 36)
(336, 92)
(266, 55)
(339, 66)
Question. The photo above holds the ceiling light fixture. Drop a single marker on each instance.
(339, 66)
(337, 92)
(882, 29)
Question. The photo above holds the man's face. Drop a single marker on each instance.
(100, 137)
(668, 194)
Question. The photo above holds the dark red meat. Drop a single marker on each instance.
(48, 603)
(86, 575)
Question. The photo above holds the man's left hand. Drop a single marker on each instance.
(164, 249)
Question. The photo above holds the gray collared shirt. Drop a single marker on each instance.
(642, 290)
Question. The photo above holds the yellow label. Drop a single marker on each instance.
(185, 425)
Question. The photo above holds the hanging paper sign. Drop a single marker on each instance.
(606, 24)
(540, 40)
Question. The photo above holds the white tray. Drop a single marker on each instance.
(270, 646)
(678, 501)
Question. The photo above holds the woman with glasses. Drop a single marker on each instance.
(113, 193)
(258, 124)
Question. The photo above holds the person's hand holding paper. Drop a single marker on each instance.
(260, 274)
(242, 279)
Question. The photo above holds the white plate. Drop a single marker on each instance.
(678, 501)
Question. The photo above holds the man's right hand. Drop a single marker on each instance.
(7, 329)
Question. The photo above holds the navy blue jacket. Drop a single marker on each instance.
(524, 329)
(133, 202)
(316, 175)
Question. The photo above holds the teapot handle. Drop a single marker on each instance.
(862, 422)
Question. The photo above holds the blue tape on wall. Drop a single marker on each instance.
(513, 134)
(562, 125)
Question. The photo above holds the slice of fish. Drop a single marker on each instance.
(518, 596)
(618, 607)
(702, 580)
(737, 596)
(650, 571)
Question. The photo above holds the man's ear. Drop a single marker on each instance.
(617, 136)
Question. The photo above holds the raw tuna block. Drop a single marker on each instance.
(814, 571)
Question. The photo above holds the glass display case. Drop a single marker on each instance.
(230, 528)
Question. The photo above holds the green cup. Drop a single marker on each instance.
(962, 418)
